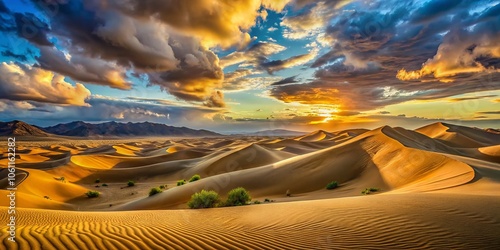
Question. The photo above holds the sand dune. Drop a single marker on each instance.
(315, 136)
(430, 221)
(433, 186)
(370, 160)
(459, 136)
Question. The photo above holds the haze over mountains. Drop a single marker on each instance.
(83, 129)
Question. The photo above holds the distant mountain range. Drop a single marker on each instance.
(83, 129)
(19, 128)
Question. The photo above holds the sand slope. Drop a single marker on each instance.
(459, 136)
(370, 160)
(419, 221)
(438, 189)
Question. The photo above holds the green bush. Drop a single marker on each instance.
(92, 194)
(154, 191)
(256, 202)
(332, 185)
(131, 183)
(195, 178)
(369, 190)
(267, 200)
(181, 182)
(98, 180)
(162, 186)
(104, 185)
(238, 197)
(204, 199)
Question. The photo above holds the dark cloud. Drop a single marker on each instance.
(3, 8)
(284, 81)
(96, 32)
(18, 57)
(277, 65)
(102, 109)
(24, 83)
(489, 112)
(370, 47)
(32, 29)
(80, 68)
(471, 98)
(434, 9)
(347, 113)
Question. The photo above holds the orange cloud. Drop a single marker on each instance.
(27, 83)
(460, 53)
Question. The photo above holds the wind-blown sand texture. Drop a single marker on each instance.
(438, 189)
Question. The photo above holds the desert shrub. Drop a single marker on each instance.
(332, 185)
(92, 194)
(162, 186)
(204, 199)
(154, 191)
(131, 183)
(195, 178)
(369, 190)
(238, 197)
(104, 185)
(267, 200)
(181, 182)
(46, 197)
(97, 180)
(256, 202)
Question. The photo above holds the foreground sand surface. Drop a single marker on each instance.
(438, 188)
(432, 221)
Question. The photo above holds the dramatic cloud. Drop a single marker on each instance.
(32, 29)
(102, 109)
(277, 65)
(369, 47)
(471, 98)
(224, 23)
(253, 55)
(489, 113)
(312, 21)
(22, 82)
(91, 70)
(104, 36)
(285, 81)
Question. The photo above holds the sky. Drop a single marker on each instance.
(249, 65)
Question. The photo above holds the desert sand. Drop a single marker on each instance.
(438, 189)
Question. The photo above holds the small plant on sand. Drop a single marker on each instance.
(238, 197)
(61, 179)
(369, 190)
(181, 182)
(332, 185)
(97, 180)
(92, 194)
(162, 186)
(154, 191)
(256, 202)
(131, 183)
(267, 200)
(204, 199)
(46, 197)
(104, 185)
(195, 178)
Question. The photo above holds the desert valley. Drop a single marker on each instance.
(433, 187)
